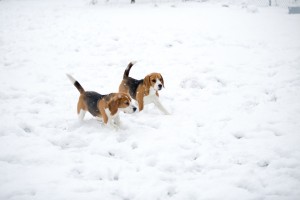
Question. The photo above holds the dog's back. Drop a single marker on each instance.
(92, 98)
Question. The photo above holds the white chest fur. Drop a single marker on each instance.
(108, 113)
(151, 98)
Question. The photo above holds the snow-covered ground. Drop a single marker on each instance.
(232, 84)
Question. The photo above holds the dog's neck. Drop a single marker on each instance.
(152, 91)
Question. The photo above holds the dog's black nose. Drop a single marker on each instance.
(134, 109)
(160, 86)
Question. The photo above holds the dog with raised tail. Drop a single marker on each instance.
(103, 106)
(144, 91)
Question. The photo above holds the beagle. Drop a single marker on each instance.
(105, 106)
(144, 91)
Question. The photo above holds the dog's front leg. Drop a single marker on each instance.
(160, 106)
(140, 100)
(101, 107)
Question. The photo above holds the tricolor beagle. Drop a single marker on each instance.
(144, 91)
(105, 106)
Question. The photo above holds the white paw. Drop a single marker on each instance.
(113, 125)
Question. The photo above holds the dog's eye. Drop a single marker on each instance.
(154, 81)
(127, 103)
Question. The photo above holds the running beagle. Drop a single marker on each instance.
(144, 91)
(105, 106)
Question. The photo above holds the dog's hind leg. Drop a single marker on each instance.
(81, 114)
(81, 108)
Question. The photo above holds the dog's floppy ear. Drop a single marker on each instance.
(162, 80)
(113, 106)
(147, 81)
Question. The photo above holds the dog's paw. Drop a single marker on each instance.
(113, 126)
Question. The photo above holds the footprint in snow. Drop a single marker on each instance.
(26, 128)
(238, 135)
(263, 163)
(221, 82)
(191, 82)
(134, 145)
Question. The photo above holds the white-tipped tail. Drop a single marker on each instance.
(131, 64)
(76, 83)
(71, 78)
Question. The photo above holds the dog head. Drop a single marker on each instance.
(121, 101)
(154, 80)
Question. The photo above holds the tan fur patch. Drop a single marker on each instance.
(123, 88)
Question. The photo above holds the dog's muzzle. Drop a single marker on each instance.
(159, 86)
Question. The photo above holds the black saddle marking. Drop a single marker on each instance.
(92, 99)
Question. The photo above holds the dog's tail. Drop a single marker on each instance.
(76, 84)
(126, 73)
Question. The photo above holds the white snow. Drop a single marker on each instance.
(232, 82)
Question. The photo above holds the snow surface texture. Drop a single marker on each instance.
(232, 80)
